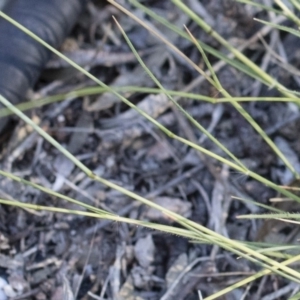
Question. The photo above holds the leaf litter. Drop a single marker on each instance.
(51, 256)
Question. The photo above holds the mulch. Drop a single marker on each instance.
(53, 256)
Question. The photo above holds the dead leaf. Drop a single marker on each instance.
(127, 291)
(144, 251)
(175, 205)
(178, 266)
(137, 77)
(160, 151)
(286, 176)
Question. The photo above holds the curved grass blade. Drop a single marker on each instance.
(280, 27)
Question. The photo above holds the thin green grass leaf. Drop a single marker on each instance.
(256, 99)
(179, 107)
(268, 207)
(206, 60)
(262, 248)
(278, 248)
(241, 110)
(105, 216)
(262, 6)
(269, 247)
(288, 12)
(98, 90)
(52, 193)
(135, 89)
(230, 61)
(280, 27)
(249, 279)
(237, 106)
(285, 216)
(240, 56)
(296, 3)
(292, 92)
(170, 45)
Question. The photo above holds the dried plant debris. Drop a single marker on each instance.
(175, 205)
(46, 255)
